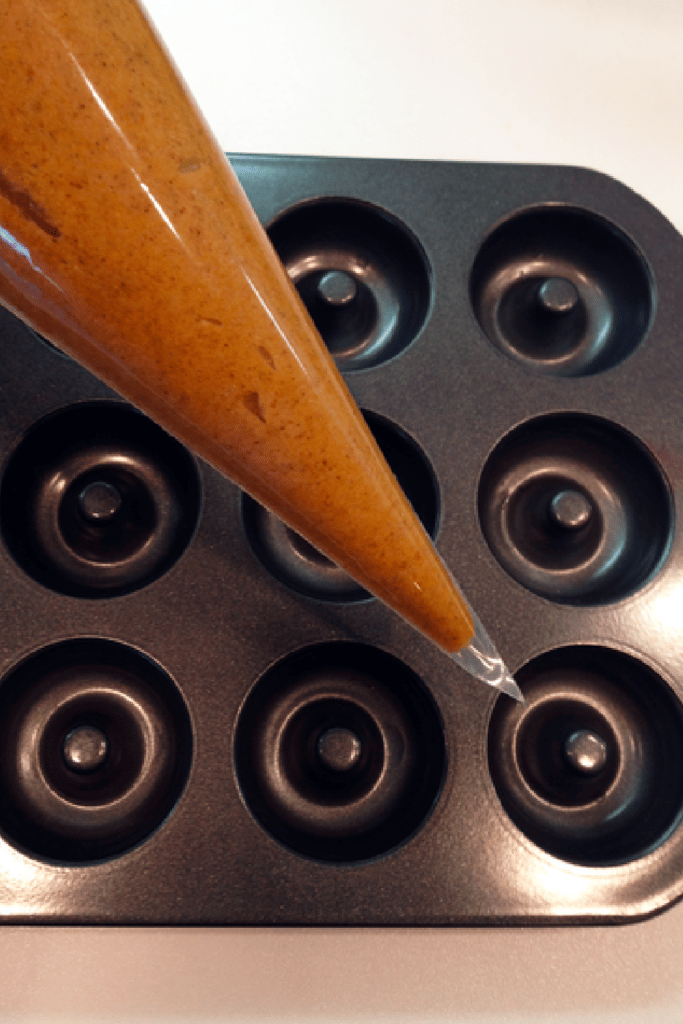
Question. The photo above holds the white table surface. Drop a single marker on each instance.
(597, 83)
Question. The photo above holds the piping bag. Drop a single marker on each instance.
(127, 240)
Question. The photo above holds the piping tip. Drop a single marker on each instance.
(481, 660)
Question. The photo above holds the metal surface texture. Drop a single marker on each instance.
(203, 724)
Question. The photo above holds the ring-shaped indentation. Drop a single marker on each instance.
(340, 752)
(591, 767)
(362, 275)
(97, 746)
(575, 509)
(562, 291)
(97, 500)
(299, 565)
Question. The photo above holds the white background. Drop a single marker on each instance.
(597, 83)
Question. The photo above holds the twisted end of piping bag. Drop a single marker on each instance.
(480, 659)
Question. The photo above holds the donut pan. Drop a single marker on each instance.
(202, 721)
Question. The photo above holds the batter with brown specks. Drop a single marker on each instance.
(127, 240)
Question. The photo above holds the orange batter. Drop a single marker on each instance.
(126, 239)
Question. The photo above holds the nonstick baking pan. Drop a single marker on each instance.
(203, 721)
